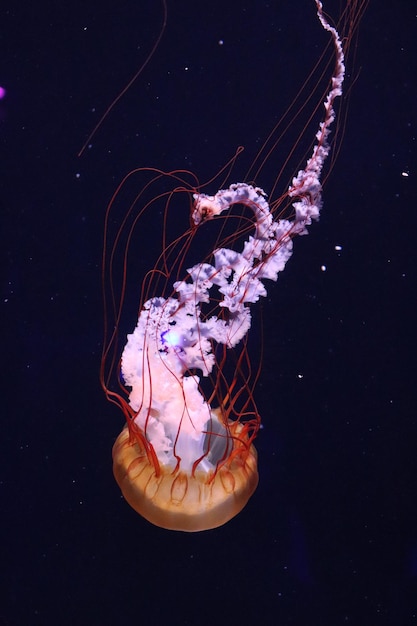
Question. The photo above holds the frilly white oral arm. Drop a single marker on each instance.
(172, 341)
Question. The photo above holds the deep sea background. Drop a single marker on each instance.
(330, 535)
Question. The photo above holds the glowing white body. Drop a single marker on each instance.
(171, 340)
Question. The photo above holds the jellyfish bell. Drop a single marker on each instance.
(188, 500)
(185, 459)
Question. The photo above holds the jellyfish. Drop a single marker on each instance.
(186, 459)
